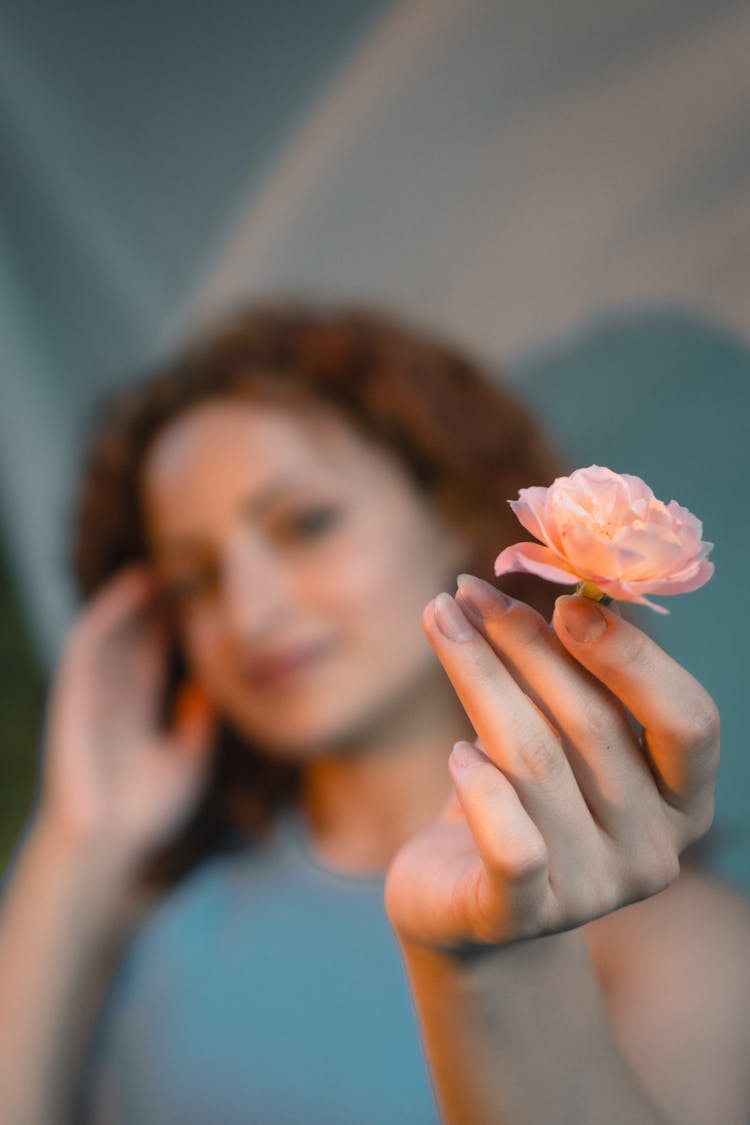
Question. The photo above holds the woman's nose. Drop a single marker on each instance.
(255, 587)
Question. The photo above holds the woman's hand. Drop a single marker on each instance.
(561, 812)
(113, 779)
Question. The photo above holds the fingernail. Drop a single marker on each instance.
(481, 597)
(464, 754)
(581, 617)
(450, 620)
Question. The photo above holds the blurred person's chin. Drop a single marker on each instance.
(315, 724)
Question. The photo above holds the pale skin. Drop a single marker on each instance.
(534, 883)
(480, 898)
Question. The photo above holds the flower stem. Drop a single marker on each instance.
(592, 591)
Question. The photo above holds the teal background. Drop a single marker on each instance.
(667, 397)
(564, 188)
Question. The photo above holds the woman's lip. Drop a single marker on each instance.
(277, 671)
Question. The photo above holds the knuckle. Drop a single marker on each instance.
(483, 786)
(541, 757)
(600, 893)
(633, 651)
(523, 863)
(656, 872)
(706, 812)
(482, 665)
(670, 868)
(529, 627)
(609, 899)
(697, 732)
(703, 723)
(701, 818)
(597, 716)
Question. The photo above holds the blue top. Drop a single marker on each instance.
(265, 988)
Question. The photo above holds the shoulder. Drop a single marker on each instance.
(675, 973)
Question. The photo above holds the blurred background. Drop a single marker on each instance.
(562, 188)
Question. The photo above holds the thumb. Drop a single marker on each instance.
(451, 810)
(583, 619)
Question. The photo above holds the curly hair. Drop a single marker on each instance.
(465, 439)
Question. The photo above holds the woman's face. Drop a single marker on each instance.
(299, 557)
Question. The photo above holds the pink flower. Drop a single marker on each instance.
(608, 529)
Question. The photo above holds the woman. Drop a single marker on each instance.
(245, 750)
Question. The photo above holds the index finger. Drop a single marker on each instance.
(129, 592)
(679, 717)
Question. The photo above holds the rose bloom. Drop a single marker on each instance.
(608, 529)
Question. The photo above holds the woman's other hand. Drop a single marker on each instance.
(113, 778)
(561, 812)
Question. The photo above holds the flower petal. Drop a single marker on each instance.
(609, 528)
(624, 592)
(653, 553)
(530, 511)
(638, 490)
(589, 552)
(678, 585)
(532, 558)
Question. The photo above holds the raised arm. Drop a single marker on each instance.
(114, 787)
(561, 815)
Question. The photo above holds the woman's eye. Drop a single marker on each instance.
(312, 522)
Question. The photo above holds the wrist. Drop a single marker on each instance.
(473, 968)
(89, 861)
